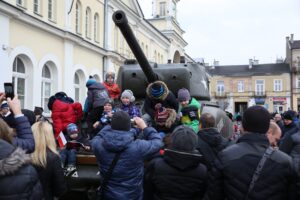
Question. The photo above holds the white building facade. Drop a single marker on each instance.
(49, 46)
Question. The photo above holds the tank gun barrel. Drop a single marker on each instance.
(120, 19)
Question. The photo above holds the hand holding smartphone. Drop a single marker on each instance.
(9, 90)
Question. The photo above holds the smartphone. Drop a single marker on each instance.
(9, 90)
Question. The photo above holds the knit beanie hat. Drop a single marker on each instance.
(184, 139)
(129, 95)
(91, 81)
(72, 129)
(120, 121)
(109, 101)
(256, 119)
(183, 95)
(109, 74)
(289, 115)
(157, 89)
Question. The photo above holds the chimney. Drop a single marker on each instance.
(292, 38)
(250, 63)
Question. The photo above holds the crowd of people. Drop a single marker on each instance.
(167, 150)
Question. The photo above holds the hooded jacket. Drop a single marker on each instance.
(210, 143)
(175, 176)
(113, 90)
(18, 179)
(126, 181)
(96, 96)
(63, 114)
(234, 168)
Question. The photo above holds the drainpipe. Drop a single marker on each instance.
(105, 41)
(292, 81)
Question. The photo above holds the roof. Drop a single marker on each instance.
(256, 70)
(295, 44)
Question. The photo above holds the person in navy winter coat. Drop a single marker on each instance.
(23, 137)
(126, 181)
(18, 179)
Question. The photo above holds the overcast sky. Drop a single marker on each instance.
(232, 31)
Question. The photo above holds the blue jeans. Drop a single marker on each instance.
(68, 155)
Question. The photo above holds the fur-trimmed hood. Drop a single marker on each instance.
(163, 96)
(11, 160)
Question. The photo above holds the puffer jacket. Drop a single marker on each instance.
(233, 172)
(24, 138)
(175, 176)
(191, 114)
(96, 96)
(126, 181)
(210, 143)
(291, 146)
(113, 90)
(18, 179)
(63, 114)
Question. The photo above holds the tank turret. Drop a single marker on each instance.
(137, 76)
(192, 76)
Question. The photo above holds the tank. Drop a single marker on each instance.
(137, 75)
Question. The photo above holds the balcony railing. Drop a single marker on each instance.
(219, 94)
(260, 94)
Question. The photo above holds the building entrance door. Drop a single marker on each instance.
(240, 107)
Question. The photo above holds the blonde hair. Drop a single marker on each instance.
(5, 131)
(43, 139)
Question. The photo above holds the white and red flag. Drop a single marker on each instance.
(61, 140)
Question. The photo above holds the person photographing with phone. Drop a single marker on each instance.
(22, 137)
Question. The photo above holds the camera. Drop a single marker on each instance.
(132, 122)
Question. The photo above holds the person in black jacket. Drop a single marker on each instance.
(233, 170)
(178, 175)
(18, 179)
(47, 162)
(210, 140)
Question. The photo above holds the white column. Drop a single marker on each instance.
(5, 49)
(68, 69)
(68, 17)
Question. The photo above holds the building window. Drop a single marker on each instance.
(162, 8)
(240, 86)
(19, 79)
(96, 27)
(51, 10)
(162, 59)
(36, 6)
(277, 85)
(77, 87)
(146, 51)
(78, 18)
(155, 56)
(46, 87)
(21, 3)
(88, 23)
(220, 88)
(259, 87)
(298, 82)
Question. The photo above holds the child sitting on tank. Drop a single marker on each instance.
(106, 116)
(112, 88)
(127, 104)
(74, 142)
(189, 109)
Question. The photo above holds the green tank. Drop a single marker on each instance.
(136, 75)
